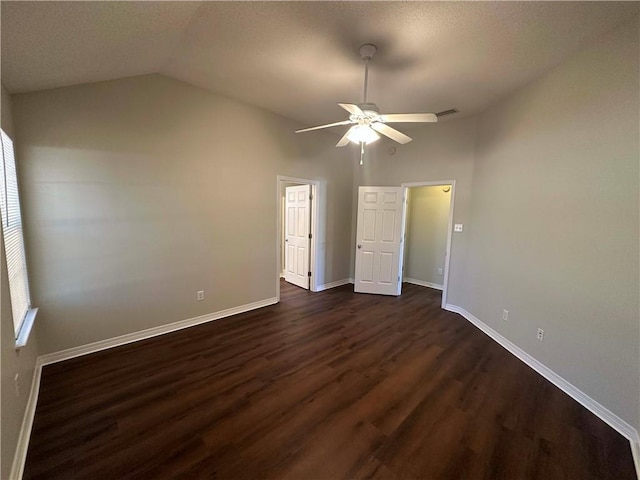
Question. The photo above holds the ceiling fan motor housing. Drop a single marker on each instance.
(369, 108)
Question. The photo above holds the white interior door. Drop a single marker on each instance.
(379, 240)
(297, 229)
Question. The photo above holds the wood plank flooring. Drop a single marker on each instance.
(330, 385)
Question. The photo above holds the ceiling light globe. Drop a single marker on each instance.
(363, 134)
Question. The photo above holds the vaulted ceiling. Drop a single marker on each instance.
(299, 58)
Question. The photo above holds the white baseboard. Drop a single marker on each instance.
(17, 468)
(151, 332)
(20, 456)
(582, 398)
(635, 451)
(422, 283)
(337, 283)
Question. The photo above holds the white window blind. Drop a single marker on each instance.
(12, 234)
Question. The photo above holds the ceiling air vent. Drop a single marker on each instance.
(447, 112)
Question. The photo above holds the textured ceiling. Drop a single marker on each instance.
(299, 58)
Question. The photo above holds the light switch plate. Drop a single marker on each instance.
(457, 227)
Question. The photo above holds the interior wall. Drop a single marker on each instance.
(21, 362)
(438, 152)
(554, 238)
(427, 228)
(139, 192)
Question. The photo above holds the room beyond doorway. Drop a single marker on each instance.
(428, 234)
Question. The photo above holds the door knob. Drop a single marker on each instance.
(286, 239)
(359, 245)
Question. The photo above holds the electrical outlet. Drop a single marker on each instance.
(16, 380)
(505, 315)
(540, 334)
(200, 295)
(457, 227)
(439, 271)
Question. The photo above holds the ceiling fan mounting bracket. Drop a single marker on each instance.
(367, 51)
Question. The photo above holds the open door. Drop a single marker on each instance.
(297, 223)
(379, 240)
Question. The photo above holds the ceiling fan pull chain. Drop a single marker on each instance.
(361, 153)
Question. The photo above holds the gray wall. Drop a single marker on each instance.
(554, 237)
(12, 362)
(442, 151)
(426, 242)
(139, 192)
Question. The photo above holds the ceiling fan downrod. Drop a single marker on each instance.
(367, 52)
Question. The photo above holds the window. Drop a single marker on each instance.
(23, 314)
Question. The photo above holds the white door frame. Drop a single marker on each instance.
(281, 180)
(445, 284)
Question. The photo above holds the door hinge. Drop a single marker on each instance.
(398, 278)
(310, 197)
(310, 236)
(309, 273)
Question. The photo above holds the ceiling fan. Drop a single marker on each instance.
(366, 120)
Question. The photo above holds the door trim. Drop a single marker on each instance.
(313, 260)
(445, 283)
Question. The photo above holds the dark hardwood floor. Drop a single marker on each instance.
(329, 385)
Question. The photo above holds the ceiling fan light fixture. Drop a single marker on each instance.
(362, 134)
(367, 122)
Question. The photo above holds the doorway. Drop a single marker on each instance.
(428, 234)
(298, 185)
(379, 240)
(297, 235)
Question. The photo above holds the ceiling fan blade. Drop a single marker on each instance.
(409, 117)
(336, 124)
(352, 108)
(392, 133)
(344, 140)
